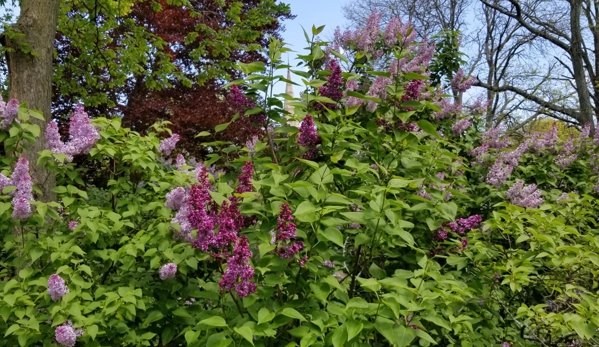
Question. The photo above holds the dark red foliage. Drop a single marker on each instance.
(191, 109)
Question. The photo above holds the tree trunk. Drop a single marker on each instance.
(582, 89)
(30, 75)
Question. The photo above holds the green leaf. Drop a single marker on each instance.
(246, 333)
(221, 127)
(339, 336)
(334, 235)
(214, 321)
(191, 336)
(428, 127)
(404, 335)
(353, 328)
(92, 331)
(292, 313)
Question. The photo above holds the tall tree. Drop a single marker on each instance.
(30, 43)
(568, 32)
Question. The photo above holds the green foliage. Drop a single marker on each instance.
(527, 276)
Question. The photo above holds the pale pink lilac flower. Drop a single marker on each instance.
(176, 198)
(73, 224)
(251, 145)
(351, 101)
(499, 172)
(9, 112)
(83, 134)
(368, 35)
(168, 271)
(4, 182)
(180, 161)
(459, 83)
(167, 145)
(66, 335)
(397, 30)
(449, 107)
(528, 196)
(480, 105)
(460, 126)
(328, 263)
(562, 197)
(378, 89)
(563, 161)
(22, 179)
(57, 287)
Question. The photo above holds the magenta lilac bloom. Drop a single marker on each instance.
(167, 145)
(239, 272)
(66, 335)
(308, 136)
(463, 225)
(168, 271)
(331, 89)
(57, 287)
(73, 224)
(245, 178)
(328, 263)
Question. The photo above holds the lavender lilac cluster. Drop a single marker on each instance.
(168, 271)
(167, 145)
(83, 135)
(66, 335)
(286, 233)
(8, 113)
(57, 287)
(522, 196)
(24, 192)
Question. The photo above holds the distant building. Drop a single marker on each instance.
(286, 105)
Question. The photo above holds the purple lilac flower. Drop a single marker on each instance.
(351, 101)
(460, 126)
(441, 234)
(57, 287)
(180, 161)
(308, 136)
(332, 89)
(328, 263)
(369, 33)
(459, 83)
(302, 261)
(251, 145)
(449, 106)
(528, 196)
(563, 161)
(480, 105)
(513, 157)
(285, 227)
(67, 336)
(167, 145)
(396, 29)
(499, 173)
(338, 275)
(378, 89)
(22, 179)
(168, 271)
(230, 223)
(9, 112)
(83, 134)
(463, 225)
(176, 198)
(286, 252)
(464, 242)
(4, 182)
(505, 344)
(548, 139)
(53, 141)
(73, 224)
(239, 272)
(245, 178)
(562, 197)
(423, 194)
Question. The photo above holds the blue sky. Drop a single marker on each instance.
(310, 12)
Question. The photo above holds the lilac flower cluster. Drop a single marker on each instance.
(395, 30)
(308, 136)
(286, 231)
(366, 36)
(241, 103)
(546, 140)
(251, 145)
(8, 113)
(73, 224)
(459, 83)
(460, 126)
(378, 89)
(463, 225)
(528, 196)
(479, 106)
(331, 89)
(448, 108)
(239, 272)
(168, 271)
(83, 135)
(245, 178)
(23, 194)
(57, 288)
(562, 197)
(180, 161)
(167, 145)
(217, 229)
(352, 101)
(567, 155)
(66, 335)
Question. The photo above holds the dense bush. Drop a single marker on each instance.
(387, 219)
